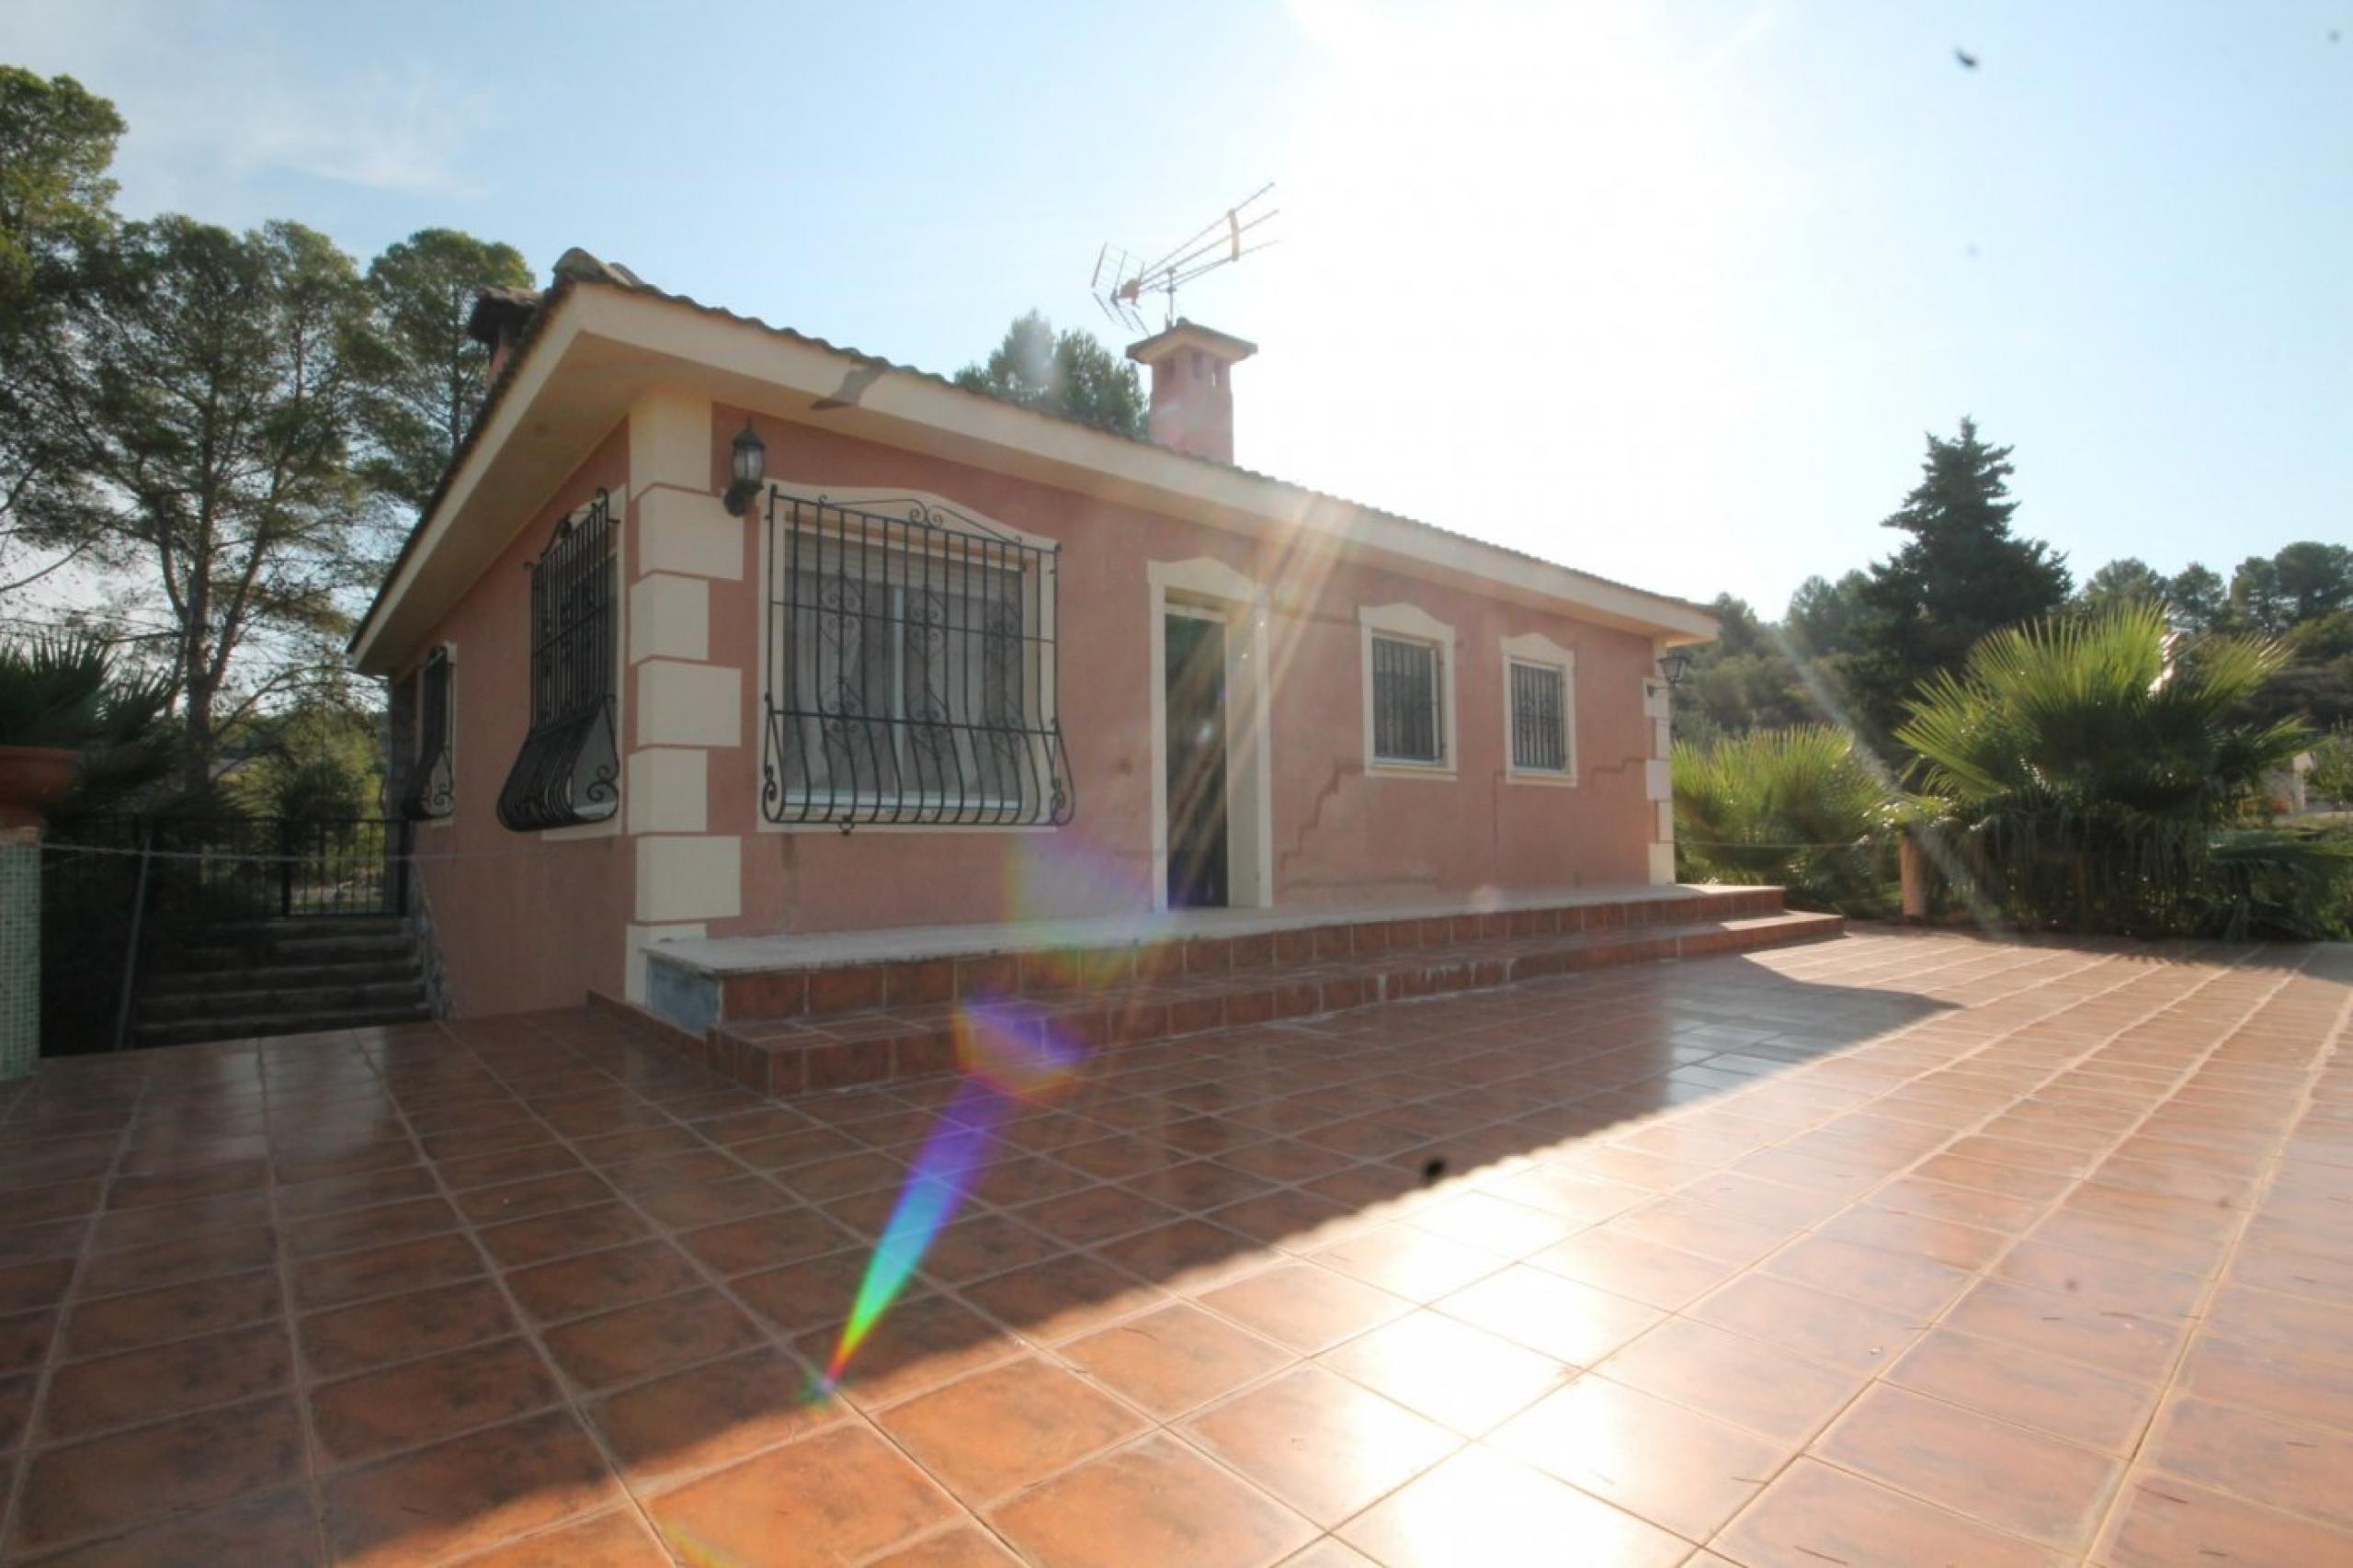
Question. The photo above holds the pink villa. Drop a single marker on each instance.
(739, 677)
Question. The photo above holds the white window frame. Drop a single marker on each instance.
(1539, 652)
(1409, 624)
(1036, 603)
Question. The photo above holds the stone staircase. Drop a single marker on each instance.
(278, 977)
(833, 1021)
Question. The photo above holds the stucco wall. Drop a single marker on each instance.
(528, 921)
(1338, 834)
(519, 921)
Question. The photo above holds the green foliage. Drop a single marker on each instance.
(1961, 574)
(2128, 581)
(1799, 807)
(2200, 599)
(421, 378)
(56, 141)
(1071, 375)
(2332, 774)
(67, 690)
(2087, 786)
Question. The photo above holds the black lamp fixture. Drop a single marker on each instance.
(751, 467)
(1672, 666)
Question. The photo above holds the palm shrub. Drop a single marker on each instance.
(1801, 808)
(2089, 782)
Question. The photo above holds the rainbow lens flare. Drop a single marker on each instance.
(1008, 1056)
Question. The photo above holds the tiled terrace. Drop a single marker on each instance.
(1900, 1248)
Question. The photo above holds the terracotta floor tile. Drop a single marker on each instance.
(982, 1244)
(614, 1539)
(1464, 1378)
(1480, 1508)
(344, 1340)
(466, 1494)
(1062, 1297)
(2111, 1340)
(2162, 1521)
(599, 1282)
(326, 1233)
(175, 1311)
(1667, 1464)
(919, 1344)
(1174, 1360)
(279, 1528)
(1005, 1429)
(30, 1286)
(638, 1341)
(1325, 1445)
(710, 1415)
(1185, 1257)
(1675, 1221)
(1094, 1214)
(1912, 1287)
(190, 1462)
(378, 1272)
(965, 1546)
(2065, 1398)
(1628, 1266)
(765, 1241)
(2301, 1469)
(2314, 1328)
(421, 1401)
(1813, 1513)
(1571, 1323)
(1291, 1219)
(1735, 1378)
(2019, 1481)
(1405, 1260)
(835, 1496)
(1155, 1501)
(706, 1203)
(87, 1397)
(1824, 1328)
(2108, 1283)
(544, 1195)
(167, 1263)
(1941, 1240)
(2269, 1378)
(1307, 1308)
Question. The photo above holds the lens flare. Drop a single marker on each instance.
(1009, 1055)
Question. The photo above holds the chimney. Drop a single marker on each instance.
(1192, 388)
(497, 322)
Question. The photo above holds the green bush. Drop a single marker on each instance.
(2089, 783)
(1801, 808)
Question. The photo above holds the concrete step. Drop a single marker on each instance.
(190, 1031)
(376, 947)
(206, 981)
(813, 1051)
(301, 998)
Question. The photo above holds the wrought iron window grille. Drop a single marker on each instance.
(432, 781)
(568, 772)
(1539, 728)
(910, 670)
(1408, 702)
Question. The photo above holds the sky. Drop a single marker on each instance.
(1667, 292)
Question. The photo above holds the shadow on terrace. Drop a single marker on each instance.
(408, 1294)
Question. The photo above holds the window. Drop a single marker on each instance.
(1408, 712)
(910, 670)
(1540, 711)
(432, 778)
(568, 772)
(1408, 664)
(1540, 717)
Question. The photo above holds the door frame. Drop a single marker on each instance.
(1210, 588)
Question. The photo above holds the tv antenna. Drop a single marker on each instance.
(1122, 280)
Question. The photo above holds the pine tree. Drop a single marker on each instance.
(1071, 375)
(1963, 574)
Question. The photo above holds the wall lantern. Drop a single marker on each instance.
(1672, 666)
(751, 467)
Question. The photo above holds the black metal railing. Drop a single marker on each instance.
(1408, 723)
(432, 778)
(1539, 731)
(910, 670)
(234, 868)
(568, 771)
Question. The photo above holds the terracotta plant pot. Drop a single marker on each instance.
(31, 777)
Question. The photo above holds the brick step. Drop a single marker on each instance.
(190, 1031)
(813, 1052)
(821, 990)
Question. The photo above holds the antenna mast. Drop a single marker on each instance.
(1122, 281)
